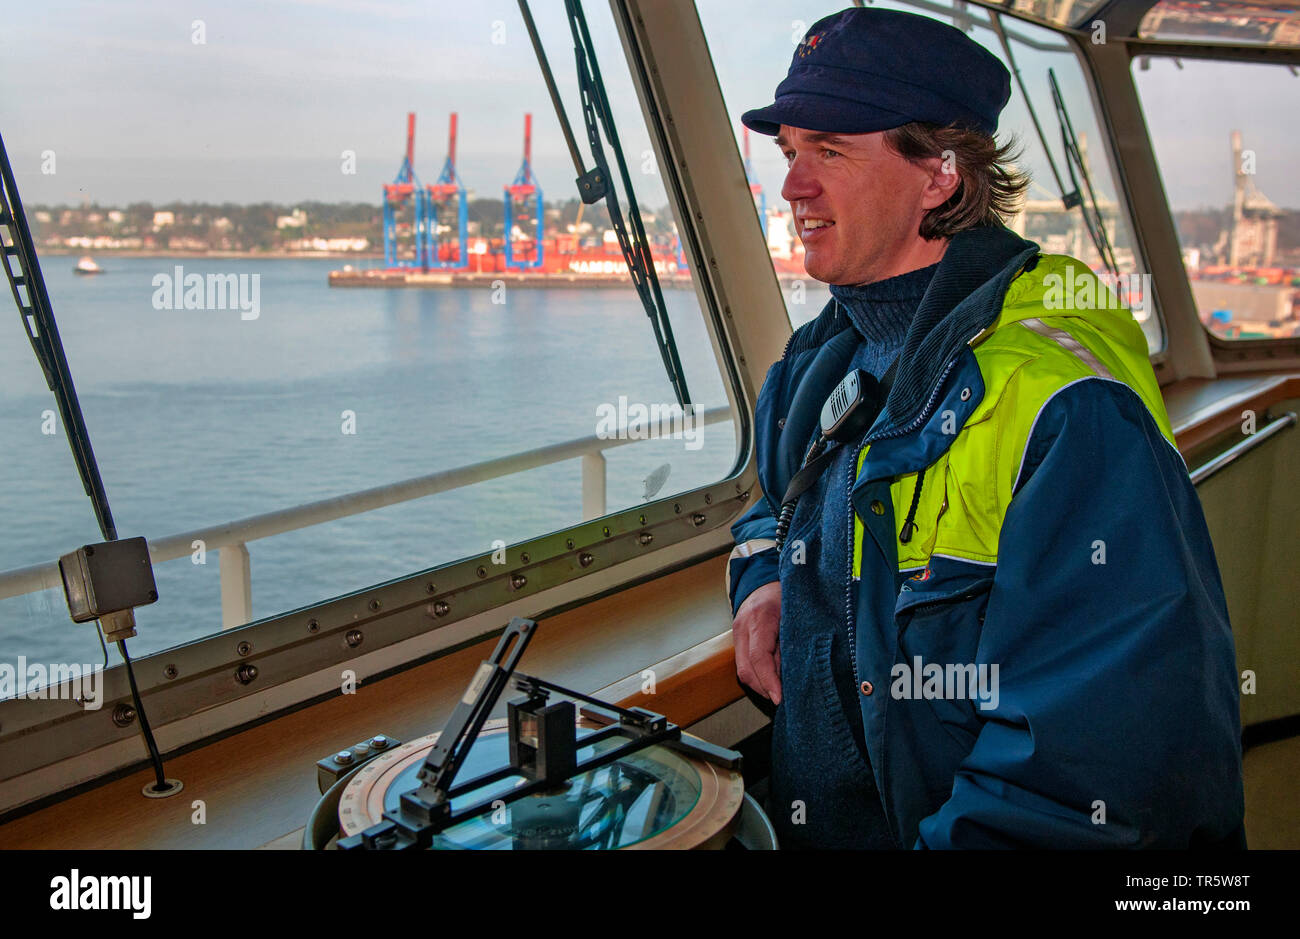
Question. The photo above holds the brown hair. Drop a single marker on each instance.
(990, 186)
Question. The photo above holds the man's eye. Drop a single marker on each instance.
(826, 153)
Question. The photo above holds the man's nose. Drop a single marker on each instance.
(800, 181)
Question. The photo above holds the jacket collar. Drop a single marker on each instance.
(963, 299)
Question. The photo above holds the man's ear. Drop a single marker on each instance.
(944, 180)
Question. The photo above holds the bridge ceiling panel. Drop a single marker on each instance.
(1251, 22)
(1260, 22)
(1067, 13)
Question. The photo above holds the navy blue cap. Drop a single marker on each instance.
(863, 70)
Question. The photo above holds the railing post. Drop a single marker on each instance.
(593, 485)
(236, 585)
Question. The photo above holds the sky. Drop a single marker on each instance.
(266, 105)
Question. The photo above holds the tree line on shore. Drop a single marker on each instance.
(267, 226)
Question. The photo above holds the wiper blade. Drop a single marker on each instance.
(597, 183)
(38, 320)
(1092, 218)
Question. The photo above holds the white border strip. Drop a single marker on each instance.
(1020, 471)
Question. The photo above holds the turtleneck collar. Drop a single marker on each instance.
(881, 312)
(964, 298)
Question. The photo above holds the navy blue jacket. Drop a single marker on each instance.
(1095, 595)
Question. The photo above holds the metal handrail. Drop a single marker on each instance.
(231, 537)
(234, 535)
(1212, 466)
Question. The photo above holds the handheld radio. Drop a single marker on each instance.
(848, 413)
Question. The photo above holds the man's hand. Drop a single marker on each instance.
(755, 633)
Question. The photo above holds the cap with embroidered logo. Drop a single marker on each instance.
(863, 70)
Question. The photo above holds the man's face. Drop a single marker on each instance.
(857, 204)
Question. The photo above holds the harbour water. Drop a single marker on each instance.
(204, 416)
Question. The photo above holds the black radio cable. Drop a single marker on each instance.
(791, 499)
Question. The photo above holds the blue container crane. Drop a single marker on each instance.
(406, 189)
(524, 187)
(440, 195)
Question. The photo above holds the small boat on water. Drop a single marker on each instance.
(87, 265)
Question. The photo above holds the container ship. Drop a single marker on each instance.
(565, 262)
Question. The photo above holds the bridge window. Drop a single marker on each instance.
(1227, 151)
(480, 371)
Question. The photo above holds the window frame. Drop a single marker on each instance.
(1229, 355)
(192, 692)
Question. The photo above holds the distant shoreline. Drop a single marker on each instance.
(163, 253)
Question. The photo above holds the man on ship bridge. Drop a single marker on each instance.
(993, 618)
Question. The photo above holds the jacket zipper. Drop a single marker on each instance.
(789, 342)
(853, 467)
(848, 593)
(853, 473)
(886, 435)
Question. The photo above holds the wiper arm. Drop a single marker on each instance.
(38, 321)
(588, 184)
(1092, 218)
(597, 183)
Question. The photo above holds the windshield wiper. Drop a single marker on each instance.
(1092, 218)
(1094, 223)
(596, 183)
(38, 321)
